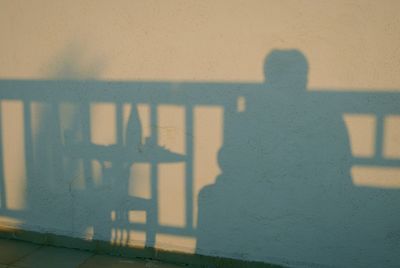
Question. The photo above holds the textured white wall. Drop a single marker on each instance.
(301, 204)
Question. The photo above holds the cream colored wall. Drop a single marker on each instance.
(349, 45)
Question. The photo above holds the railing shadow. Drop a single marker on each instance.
(288, 190)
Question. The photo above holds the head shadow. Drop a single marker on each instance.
(286, 69)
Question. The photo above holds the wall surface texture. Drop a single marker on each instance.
(254, 130)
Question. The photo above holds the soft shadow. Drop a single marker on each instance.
(285, 193)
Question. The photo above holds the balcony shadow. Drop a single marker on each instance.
(286, 192)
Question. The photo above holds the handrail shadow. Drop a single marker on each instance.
(286, 185)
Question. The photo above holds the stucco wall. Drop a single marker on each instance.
(258, 130)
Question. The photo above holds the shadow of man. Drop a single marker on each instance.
(285, 189)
